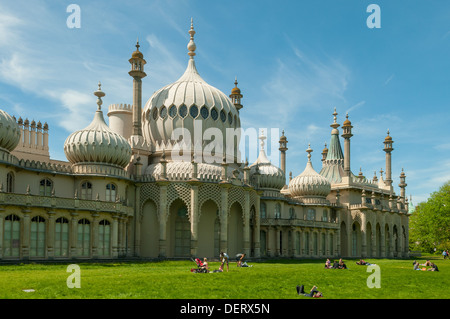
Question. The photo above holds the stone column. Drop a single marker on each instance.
(73, 234)
(50, 235)
(95, 235)
(246, 225)
(162, 219)
(194, 219)
(363, 236)
(137, 221)
(26, 234)
(115, 233)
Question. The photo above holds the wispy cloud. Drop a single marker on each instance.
(389, 79)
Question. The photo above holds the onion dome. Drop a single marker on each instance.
(97, 143)
(309, 184)
(270, 176)
(189, 103)
(388, 137)
(9, 132)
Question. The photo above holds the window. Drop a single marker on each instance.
(277, 213)
(110, 193)
(183, 111)
(214, 114)
(325, 215)
(322, 241)
(11, 236)
(86, 190)
(182, 233)
(263, 210)
(37, 237)
(204, 112)
(10, 182)
(173, 111)
(223, 116)
(84, 237)
(104, 238)
(291, 213)
(311, 214)
(61, 237)
(193, 111)
(163, 112)
(45, 187)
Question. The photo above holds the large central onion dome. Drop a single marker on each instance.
(309, 184)
(97, 144)
(9, 132)
(192, 104)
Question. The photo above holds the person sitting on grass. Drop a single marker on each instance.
(313, 293)
(328, 264)
(434, 267)
(342, 265)
(205, 264)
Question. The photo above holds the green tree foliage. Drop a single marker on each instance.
(429, 225)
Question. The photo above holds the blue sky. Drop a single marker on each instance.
(295, 61)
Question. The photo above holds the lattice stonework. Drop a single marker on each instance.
(356, 217)
(236, 194)
(149, 191)
(209, 192)
(181, 191)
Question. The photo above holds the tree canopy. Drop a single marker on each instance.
(429, 225)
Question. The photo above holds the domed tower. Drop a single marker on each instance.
(176, 117)
(236, 96)
(96, 148)
(388, 149)
(310, 187)
(9, 132)
(270, 176)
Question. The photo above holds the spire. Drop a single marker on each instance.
(309, 150)
(335, 125)
(191, 45)
(335, 150)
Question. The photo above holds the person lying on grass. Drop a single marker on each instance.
(313, 292)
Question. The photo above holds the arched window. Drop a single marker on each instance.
(10, 182)
(84, 237)
(37, 237)
(61, 237)
(297, 243)
(311, 214)
(263, 210)
(45, 187)
(277, 212)
(182, 233)
(86, 190)
(110, 193)
(11, 236)
(104, 238)
(323, 243)
(307, 243)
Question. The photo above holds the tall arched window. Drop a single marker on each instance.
(298, 243)
(37, 237)
(307, 243)
(45, 187)
(277, 210)
(61, 237)
(86, 190)
(104, 238)
(311, 214)
(323, 243)
(11, 236)
(292, 213)
(110, 192)
(84, 237)
(325, 215)
(263, 210)
(182, 233)
(10, 182)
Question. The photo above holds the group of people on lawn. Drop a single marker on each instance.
(428, 263)
(224, 260)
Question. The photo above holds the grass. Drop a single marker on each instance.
(275, 279)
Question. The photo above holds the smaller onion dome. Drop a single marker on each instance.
(346, 122)
(309, 183)
(137, 53)
(388, 137)
(9, 132)
(270, 176)
(97, 143)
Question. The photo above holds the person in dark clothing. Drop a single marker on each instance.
(314, 293)
(240, 259)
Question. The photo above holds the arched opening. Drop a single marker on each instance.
(149, 231)
(378, 240)
(61, 237)
(235, 230)
(387, 241)
(11, 236)
(104, 238)
(356, 240)
(37, 237)
(179, 230)
(263, 243)
(395, 240)
(84, 238)
(369, 240)
(208, 232)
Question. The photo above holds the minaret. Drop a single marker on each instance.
(283, 148)
(236, 96)
(402, 186)
(324, 153)
(137, 73)
(388, 149)
(347, 134)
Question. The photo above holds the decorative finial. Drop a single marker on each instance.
(309, 150)
(262, 138)
(335, 124)
(137, 44)
(99, 94)
(191, 45)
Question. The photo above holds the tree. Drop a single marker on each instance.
(429, 225)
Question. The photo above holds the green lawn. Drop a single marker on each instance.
(265, 280)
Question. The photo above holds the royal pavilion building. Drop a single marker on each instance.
(129, 189)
